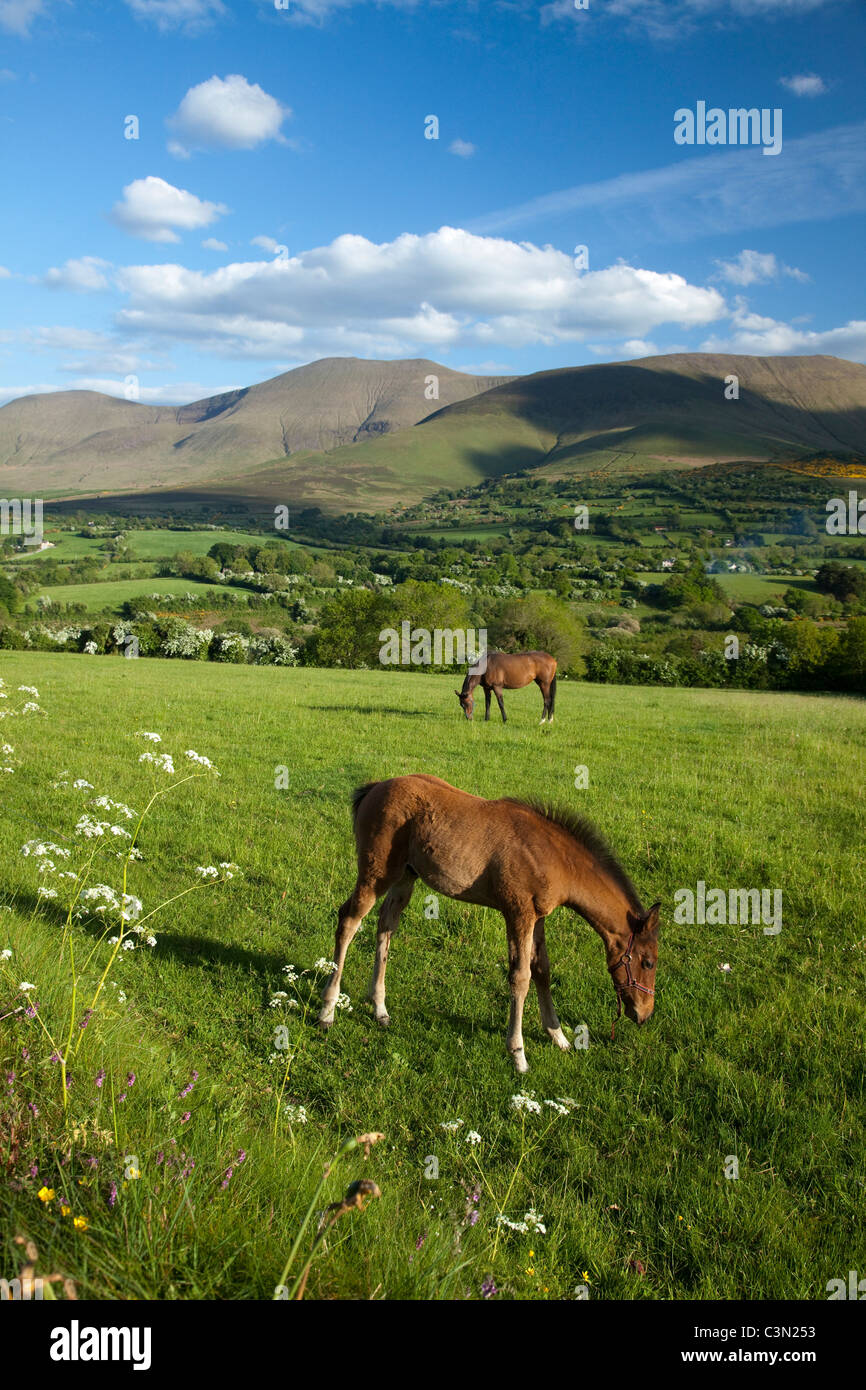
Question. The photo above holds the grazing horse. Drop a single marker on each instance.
(522, 859)
(510, 671)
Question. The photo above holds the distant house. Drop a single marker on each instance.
(667, 564)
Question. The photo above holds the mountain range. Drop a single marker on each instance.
(349, 434)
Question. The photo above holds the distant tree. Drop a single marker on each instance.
(10, 598)
(539, 623)
(842, 581)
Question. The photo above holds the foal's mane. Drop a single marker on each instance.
(588, 837)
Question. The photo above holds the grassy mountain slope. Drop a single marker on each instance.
(82, 441)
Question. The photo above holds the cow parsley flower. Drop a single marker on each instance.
(200, 759)
(162, 761)
(524, 1101)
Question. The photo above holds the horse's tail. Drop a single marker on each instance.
(358, 796)
(552, 695)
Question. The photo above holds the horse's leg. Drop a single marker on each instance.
(349, 919)
(486, 703)
(519, 928)
(498, 694)
(545, 695)
(540, 966)
(396, 899)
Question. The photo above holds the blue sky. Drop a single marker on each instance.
(153, 266)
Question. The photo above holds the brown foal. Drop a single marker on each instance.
(519, 858)
(510, 671)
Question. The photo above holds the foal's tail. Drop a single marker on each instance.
(358, 796)
(552, 695)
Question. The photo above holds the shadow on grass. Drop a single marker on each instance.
(202, 951)
(375, 709)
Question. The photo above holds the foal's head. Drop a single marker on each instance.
(467, 702)
(634, 971)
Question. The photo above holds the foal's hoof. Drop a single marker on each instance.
(383, 1020)
(520, 1063)
(325, 1021)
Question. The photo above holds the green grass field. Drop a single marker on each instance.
(762, 1062)
(156, 544)
(108, 595)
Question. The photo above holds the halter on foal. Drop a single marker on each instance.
(519, 858)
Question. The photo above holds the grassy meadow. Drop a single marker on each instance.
(193, 1179)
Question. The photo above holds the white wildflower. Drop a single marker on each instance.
(524, 1101)
(163, 761)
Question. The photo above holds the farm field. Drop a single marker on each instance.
(155, 544)
(110, 594)
(762, 1061)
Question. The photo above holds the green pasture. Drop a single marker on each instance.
(195, 1186)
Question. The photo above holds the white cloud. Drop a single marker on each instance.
(226, 113)
(822, 176)
(151, 208)
(16, 16)
(87, 273)
(667, 19)
(804, 84)
(212, 244)
(7, 75)
(636, 347)
(267, 243)
(463, 148)
(178, 14)
(753, 267)
(11, 393)
(4, 273)
(445, 290)
(759, 336)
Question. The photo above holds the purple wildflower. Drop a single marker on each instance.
(112, 1194)
(187, 1115)
(488, 1289)
(100, 1076)
(88, 1015)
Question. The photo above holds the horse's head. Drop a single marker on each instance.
(634, 969)
(467, 703)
